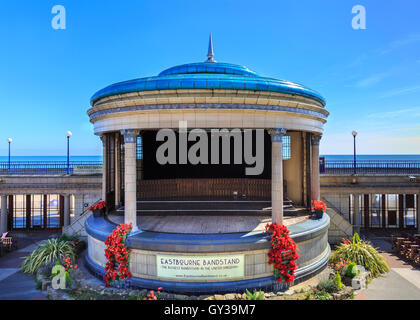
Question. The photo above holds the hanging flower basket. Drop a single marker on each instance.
(98, 213)
(318, 214)
(318, 208)
(283, 253)
(118, 256)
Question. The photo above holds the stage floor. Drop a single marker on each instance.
(205, 224)
(212, 207)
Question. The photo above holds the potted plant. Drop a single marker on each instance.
(98, 209)
(318, 208)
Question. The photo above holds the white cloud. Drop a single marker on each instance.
(371, 80)
(401, 91)
(410, 39)
(391, 114)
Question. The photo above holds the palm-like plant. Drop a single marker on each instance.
(362, 253)
(49, 251)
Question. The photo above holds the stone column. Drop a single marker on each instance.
(315, 183)
(117, 170)
(66, 210)
(130, 178)
(104, 167)
(78, 205)
(3, 217)
(277, 174)
(357, 215)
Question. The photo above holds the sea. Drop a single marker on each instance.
(328, 157)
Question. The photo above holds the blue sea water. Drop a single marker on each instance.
(328, 157)
(372, 157)
(51, 158)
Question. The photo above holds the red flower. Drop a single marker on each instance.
(283, 253)
(318, 205)
(97, 206)
(117, 252)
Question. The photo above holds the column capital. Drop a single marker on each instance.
(129, 135)
(315, 139)
(277, 134)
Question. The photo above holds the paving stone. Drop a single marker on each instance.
(230, 296)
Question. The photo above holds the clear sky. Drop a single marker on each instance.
(370, 78)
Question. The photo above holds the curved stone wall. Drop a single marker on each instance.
(311, 237)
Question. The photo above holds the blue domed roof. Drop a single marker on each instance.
(207, 75)
(209, 67)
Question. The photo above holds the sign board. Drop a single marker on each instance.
(200, 268)
(87, 169)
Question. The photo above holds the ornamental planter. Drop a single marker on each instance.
(97, 213)
(318, 214)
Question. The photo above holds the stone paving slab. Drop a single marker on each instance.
(30, 248)
(401, 283)
(14, 284)
(19, 286)
(392, 286)
(7, 272)
(412, 275)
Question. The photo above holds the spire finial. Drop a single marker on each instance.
(210, 53)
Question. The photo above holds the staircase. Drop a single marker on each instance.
(77, 225)
(210, 208)
(339, 226)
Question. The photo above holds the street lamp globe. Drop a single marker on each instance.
(68, 134)
(354, 133)
(9, 140)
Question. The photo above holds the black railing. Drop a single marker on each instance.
(50, 167)
(370, 167)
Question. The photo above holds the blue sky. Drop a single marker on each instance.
(370, 78)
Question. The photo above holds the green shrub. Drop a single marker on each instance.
(337, 281)
(361, 253)
(254, 296)
(327, 286)
(322, 296)
(351, 270)
(48, 251)
(66, 237)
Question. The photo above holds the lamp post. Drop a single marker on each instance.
(354, 133)
(68, 135)
(9, 140)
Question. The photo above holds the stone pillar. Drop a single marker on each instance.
(3, 217)
(66, 210)
(104, 167)
(78, 205)
(357, 221)
(315, 183)
(117, 153)
(130, 178)
(277, 174)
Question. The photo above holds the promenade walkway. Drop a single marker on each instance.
(401, 283)
(14, 284)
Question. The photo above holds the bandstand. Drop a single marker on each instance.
(198, 227)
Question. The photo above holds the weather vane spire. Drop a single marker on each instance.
(210, 53)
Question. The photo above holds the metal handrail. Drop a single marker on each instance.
(370, 167)
(44, 167)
